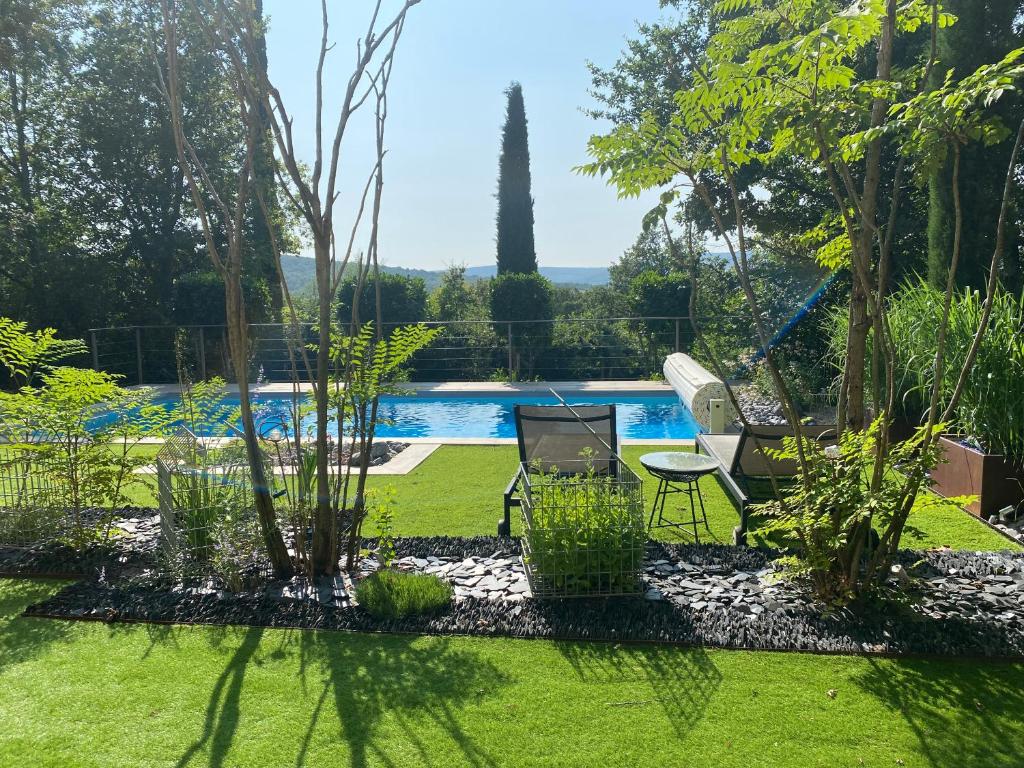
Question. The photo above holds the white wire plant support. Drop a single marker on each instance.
(33, 506)
(208, 520)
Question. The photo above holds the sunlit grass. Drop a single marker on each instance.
(94, 695)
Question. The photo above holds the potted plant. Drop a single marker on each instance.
(994, 480)
(983, 453)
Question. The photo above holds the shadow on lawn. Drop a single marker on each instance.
(403, 676)
(683, 680)
(24, 638)
(363, 677)
(963, 713)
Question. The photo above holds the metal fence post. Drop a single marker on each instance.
(202, 353)
(138, 352)
(510, 366)
(677, 334)
(95, 351)
(226, 352)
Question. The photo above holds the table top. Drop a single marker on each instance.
(679, 463)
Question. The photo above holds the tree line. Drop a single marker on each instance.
(99, 225)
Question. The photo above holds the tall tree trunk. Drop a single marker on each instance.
(325, 550)
(238, 340)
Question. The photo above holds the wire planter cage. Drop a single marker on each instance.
(208, 521)
(33, 508)
(584, 531)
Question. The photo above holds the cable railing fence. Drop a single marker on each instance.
(569, 348)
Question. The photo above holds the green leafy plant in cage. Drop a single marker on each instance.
(210, 484)
(585, 532)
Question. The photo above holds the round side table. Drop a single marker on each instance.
(678, 472)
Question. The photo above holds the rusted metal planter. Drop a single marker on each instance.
(965, 471)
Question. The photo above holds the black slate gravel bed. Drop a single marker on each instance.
(616, 619)
(453, 546)
(893, 629)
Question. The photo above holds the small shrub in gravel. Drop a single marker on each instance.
(394, 595)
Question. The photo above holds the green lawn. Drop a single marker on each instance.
(458, 491)
(77, 694)
(89, 694)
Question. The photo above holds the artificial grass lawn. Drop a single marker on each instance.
(90, 694)
(457, 491)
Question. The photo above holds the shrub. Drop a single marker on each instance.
(585, 533)
(403, 300)
(391, 594)
(844, 525)
(71, 441)
(523, 298)
(991, 410)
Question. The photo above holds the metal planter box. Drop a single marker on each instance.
(584, 532)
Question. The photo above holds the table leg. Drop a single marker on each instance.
(657, 493)
(703, 512)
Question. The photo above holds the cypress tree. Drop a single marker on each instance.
(516, 254)
(983, 34)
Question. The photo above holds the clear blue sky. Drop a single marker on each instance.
(446, 110)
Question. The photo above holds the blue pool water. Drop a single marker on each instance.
(639, 416)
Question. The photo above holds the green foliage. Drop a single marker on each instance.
(383, 499)
(525, 298)
(403, 300)
(985, 31)
(391, 594)
(25, 354)
(655, 295)
(991, 409)
(650, 253)
(835, 511)
(378, 366)
(77, 431)
(585, 533)
(100, 225)
(516, 252)
(204, 409)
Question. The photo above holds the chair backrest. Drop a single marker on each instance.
(749, 461)
(551, 436)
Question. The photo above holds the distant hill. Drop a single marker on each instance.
(300, 274)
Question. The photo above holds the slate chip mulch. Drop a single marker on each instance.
(706, 596)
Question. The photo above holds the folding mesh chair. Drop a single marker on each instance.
(553, 439)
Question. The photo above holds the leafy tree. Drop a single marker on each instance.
(403, 300)
(41, 200)
(453, 299)
(653, 295)
(650, 253)
(780, 83)
(516, 253)
(986, 30)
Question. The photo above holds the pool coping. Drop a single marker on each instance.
(468, 388)
(402, 464)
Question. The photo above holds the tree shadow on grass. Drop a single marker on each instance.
(683, 680)
(220, 723)
(368, 677)
(963, 713)
(23, 638)
(364, 678)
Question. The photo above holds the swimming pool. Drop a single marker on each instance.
(639, 415)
